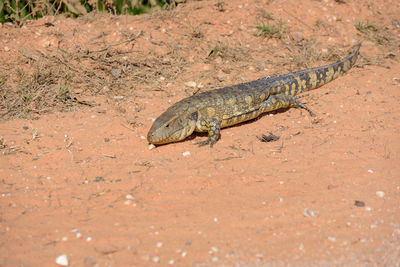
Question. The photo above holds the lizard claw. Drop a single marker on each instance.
(206, 142)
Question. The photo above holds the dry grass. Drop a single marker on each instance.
(62, 79)
(380, 35)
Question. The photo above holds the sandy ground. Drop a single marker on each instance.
(84, 183)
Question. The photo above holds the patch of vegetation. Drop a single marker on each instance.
(379, 35)
(18, 11)
(365, 27)
(270, 30)
(196, 33)
(63, 79)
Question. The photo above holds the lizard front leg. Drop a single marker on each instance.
(213, 127)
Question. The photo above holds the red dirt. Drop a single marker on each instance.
(84, 183)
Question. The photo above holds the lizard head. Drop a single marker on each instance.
(175, 124)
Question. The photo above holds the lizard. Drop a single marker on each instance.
(215, 109)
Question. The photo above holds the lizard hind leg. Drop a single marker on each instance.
(214, 128)
(275, 102)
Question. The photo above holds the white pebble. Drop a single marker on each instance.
(214, 259)
(156, 259)
(308, 212)
(170, 262)
(151, 146)
(215, 249)
(62, 260)
(78, 235)
(215, 219)
(368, 208)
(88, 239)
(129, 196)
(6, 48)
(159, 244)
(380, 193)
(332, 239)
(186, 154)
(191, 84)
(184, 254)
(370, 171)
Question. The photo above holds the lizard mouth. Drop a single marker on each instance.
(156, 139)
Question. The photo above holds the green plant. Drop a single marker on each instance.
(270, 30)
(365, 27)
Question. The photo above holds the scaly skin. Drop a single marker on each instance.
(210, 111)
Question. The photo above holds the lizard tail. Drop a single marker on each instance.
(305, 80)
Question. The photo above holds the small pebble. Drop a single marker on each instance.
(191, 84)
(170, 262)
(370, 171)
(184, 254)
(308, 212)
(188, 243)
(78, 235)
(186, 154)
(88, 239)
(6, 48)
(368, 208)
(332, 239)
(222, 77)
(151, 146)
(62, 260)
(129, 196)
(380, 194)
(156, 259)
(159, 244)
(214, 259)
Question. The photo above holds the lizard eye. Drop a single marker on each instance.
(166, 126)
(194, 116)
